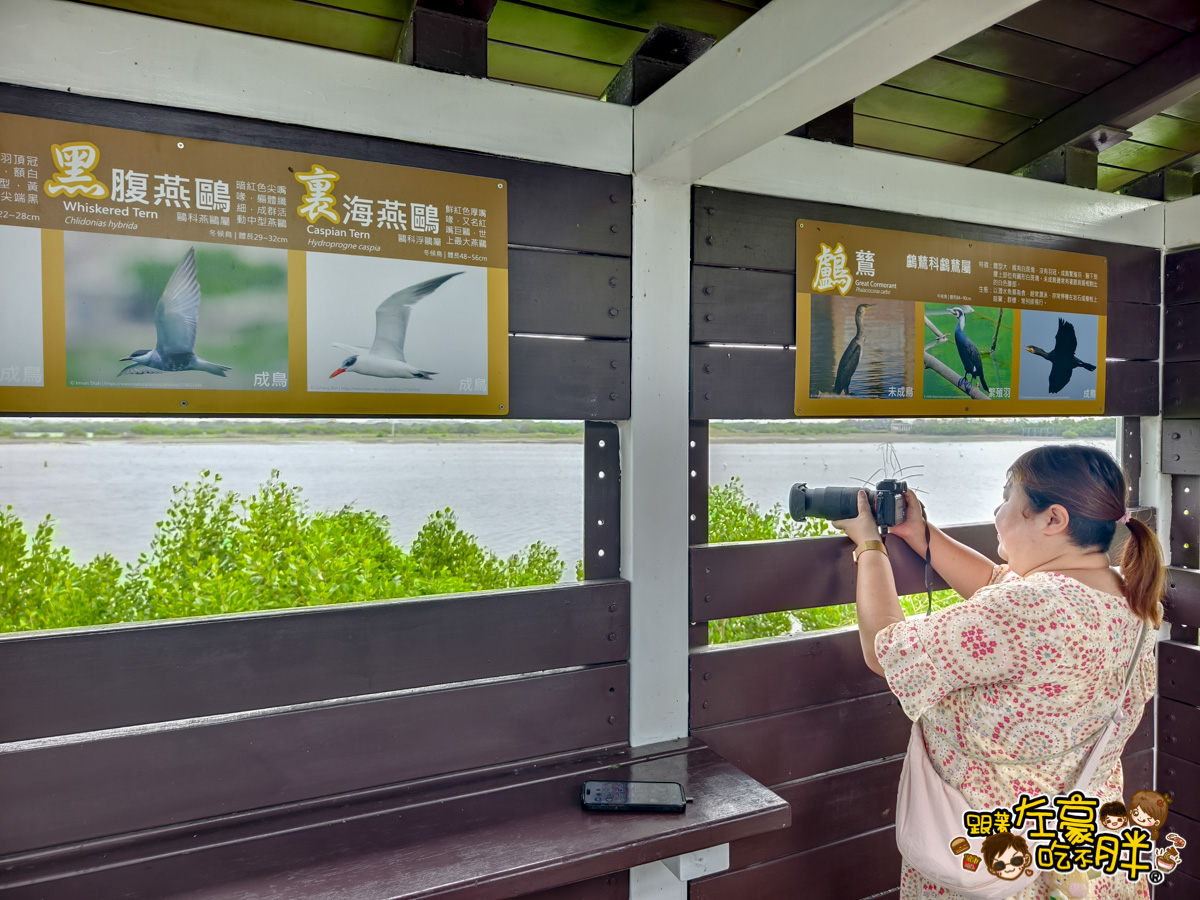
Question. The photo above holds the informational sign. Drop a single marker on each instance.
(891, 323)
(153, 274)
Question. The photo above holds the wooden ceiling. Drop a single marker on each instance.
(976, 97)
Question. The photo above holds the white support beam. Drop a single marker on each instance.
(1183, 223)
(828, 173)
(789, 63)
(101, 52)
(654, 463)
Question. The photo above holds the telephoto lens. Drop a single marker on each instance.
(823, 502)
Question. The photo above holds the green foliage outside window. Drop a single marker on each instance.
(733, 517)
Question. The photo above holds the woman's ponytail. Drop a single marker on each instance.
(1142, 568)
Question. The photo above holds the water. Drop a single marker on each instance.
(105, 496)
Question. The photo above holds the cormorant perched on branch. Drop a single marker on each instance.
(967, 351)
(852, 354)
(1063, 361)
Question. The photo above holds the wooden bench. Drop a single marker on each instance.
(248, 756)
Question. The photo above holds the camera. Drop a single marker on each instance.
(887, 502)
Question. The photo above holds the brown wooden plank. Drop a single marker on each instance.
(1095, 27)
(1179, 673)
(749, 231)
(1179, 729)
(1181, 14)
(899, 137)
(1133, 331)
(549, 206)
(1181, 277)
(866, 800)
(1142, 739)
(860, 867)
(698, 483)
(75, 681)
(781, 748)
(760, 383)
(1183, 604)
(1182, 884)
(605, 887)
(1185, 522)
(73, 790)
(757, 678)
(1181, 330)
(478, 839)
(914, 108)
(1131, 457)
(1180, 779)
(946, 78)
(601, 505)
(568, 293)
(568, 379)
(1180, 399)
(769, 576)
(1180, 447)
(1137, 770)
(745, 306)
(999, 49)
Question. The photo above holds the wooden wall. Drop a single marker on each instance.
(152, 735)
(803, 714)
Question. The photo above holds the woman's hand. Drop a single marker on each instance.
(862, 527)
(912, 529)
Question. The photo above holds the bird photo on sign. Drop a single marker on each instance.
(21, 340)
(151, 313)
(1060, 355)
(396, 326)
(968, 352)
(861, 347)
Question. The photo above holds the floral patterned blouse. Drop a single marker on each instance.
(1006, 683)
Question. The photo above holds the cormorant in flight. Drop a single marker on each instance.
(1063, 361)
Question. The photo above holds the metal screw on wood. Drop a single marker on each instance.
(704, 705)
(612, 363)
(612, 282)
(612, 396)
(708, 317)
(612, 607)
(707, 290)
(613, 312)
(612, 719)
(612, 635)
(612, 228)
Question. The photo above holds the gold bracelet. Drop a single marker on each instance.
(865, 546)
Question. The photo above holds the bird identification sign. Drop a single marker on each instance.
(893, 323)
(152, 274)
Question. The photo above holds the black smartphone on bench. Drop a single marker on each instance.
(634, 796)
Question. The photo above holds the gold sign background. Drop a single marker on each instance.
(68, 177)
(840, 267)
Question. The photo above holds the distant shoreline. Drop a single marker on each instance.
(883, 437)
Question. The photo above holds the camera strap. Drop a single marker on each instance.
(928, 567)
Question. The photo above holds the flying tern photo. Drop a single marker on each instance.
(150, 313)
(396, 326)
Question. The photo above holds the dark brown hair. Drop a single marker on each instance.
(1089, 484)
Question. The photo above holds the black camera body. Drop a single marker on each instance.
(887, 502)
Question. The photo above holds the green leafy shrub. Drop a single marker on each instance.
(733, 517)
(215, 552)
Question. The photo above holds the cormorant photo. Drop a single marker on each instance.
(1063, 361)
(852, 354)
(967, 352)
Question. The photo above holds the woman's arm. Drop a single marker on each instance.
(964, 569)
(875, 595)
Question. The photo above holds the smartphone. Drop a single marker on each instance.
(634, 796)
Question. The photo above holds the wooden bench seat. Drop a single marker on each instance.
(504, 832)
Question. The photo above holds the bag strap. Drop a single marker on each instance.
(1118, 716)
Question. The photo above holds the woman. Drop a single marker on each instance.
(1014, 685)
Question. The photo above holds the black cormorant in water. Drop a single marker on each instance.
(852, 354)
(967, 351)
(1063, 361)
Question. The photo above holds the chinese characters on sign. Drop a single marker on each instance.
(894, 323)
(253, 280)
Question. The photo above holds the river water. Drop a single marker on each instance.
(105, 496)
